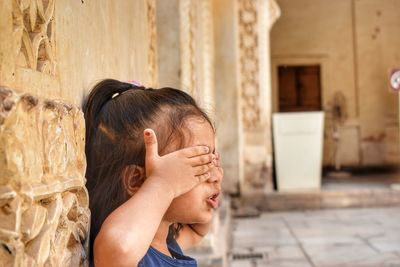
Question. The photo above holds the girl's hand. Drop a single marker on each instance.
(179, 171)
(192, 234)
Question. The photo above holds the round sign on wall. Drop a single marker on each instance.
(395, 80)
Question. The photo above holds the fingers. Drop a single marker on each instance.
(150, 142)
(206, 163)
(202, 169)
(203, 177)
(202, 160)
(220, 174)
(194, 151)
(217, 159)
(210, 171)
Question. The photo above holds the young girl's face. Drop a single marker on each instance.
(197, 205)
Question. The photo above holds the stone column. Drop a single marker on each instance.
(197, 78)
(152, 41)
(197, 51)
(186, 48)
(254, 21)
(168, 38)
(186, 60)
(227, 94)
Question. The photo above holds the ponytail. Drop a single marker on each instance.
(102, 156)
(100, 95)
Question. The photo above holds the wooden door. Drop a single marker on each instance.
(299, 88)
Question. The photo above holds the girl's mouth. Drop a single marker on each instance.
(213, 201)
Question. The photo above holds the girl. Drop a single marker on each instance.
(146, 207)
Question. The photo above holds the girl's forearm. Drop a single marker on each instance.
(128, 231)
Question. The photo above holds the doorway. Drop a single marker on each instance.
(299, 88)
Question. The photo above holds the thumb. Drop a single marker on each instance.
(150, 142)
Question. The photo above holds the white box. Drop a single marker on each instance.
(298, 144)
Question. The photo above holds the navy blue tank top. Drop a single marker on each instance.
(154, 258)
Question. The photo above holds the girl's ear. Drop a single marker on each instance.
(133, 177)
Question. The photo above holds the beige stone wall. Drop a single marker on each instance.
(49, 50)
(44, 215)
(84, 41)
(377, 51)
(355, 42)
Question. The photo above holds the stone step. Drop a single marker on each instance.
(351, 198)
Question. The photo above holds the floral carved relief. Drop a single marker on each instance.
(197, 49)
(152, 32)
(274, 12)
(188, 48)
(33, 34)
(206, 30)
(44, 206)
(248, 62)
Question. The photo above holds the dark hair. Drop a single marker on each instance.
(116, 114)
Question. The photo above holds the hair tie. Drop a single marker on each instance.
(131, 82)
(135, 83)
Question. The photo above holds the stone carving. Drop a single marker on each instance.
(206, 39)
(44, 215)
(152, 32)
(33, 34)
(274, 12)
(197, 50)
(187, 43)
(248, 62)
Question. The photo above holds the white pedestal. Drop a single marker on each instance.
(298, 140)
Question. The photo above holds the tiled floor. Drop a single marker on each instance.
(322, 238)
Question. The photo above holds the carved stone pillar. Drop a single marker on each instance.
(254, 21)
(186, 61)
(197, 78)
(227, 94)
(168, 38)
(197, 51)
(152, 39)
(186, 48)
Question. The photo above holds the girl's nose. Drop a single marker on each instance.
(216, 175)
(212, 179)
(217, 172)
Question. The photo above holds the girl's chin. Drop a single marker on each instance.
(198, 220)
(205, 219)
